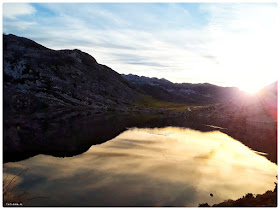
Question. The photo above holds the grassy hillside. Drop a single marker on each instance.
(152, 103)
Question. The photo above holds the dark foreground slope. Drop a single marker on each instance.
(268, 199)
(36, 77)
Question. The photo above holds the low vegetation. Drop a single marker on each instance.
(146, 101)
(268, 199)
(12, 196)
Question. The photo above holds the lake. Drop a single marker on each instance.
(168, 166)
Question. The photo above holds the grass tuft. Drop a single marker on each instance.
(12, 196)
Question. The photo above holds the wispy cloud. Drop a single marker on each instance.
(21, 25)
(12, 11)
(217, 43)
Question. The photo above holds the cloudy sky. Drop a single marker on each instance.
(229, 44)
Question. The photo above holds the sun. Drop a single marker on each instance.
(250, 87)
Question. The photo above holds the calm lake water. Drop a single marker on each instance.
(148, 167)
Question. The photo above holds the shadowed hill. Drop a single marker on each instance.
(36, 77)
(197, 94)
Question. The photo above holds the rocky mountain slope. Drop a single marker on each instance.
(188, 93)
(36, 77)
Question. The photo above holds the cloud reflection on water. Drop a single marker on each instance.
(150, 167)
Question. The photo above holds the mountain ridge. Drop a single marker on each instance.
(59, 77)
(189, 93)
(37, 77)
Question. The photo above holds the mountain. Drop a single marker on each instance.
(36, 77)
(47, 93)
(188, 93)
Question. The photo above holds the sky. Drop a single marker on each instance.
(228, 44)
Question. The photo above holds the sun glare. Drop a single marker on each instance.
(250, 88)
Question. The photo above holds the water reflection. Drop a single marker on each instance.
(71, 133)
(149, 167)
